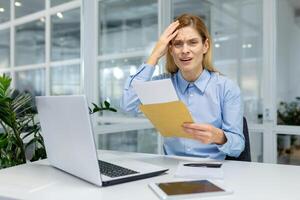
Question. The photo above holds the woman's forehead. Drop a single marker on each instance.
(187, 33)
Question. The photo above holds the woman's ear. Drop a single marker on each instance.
(205, 46)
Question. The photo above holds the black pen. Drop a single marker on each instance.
(209, 165)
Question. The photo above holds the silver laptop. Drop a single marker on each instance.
(70, 145)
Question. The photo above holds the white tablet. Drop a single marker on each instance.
(188, 189)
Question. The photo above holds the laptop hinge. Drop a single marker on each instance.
(132, 178)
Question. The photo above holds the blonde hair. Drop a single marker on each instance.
(198, 24)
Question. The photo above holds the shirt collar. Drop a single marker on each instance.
(200, 83)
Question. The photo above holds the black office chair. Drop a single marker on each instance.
(245, 155)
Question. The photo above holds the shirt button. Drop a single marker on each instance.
(191, 95)
(188, 149)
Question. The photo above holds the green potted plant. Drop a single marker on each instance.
(289, 112)
(19, 129)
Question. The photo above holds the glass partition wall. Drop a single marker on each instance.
(40, 45)
(254, 42)
(125, 38)
(288, 94)
(4, 48)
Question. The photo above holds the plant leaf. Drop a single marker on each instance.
(32, 141)
(3, 140)
(95, 105)
(106, 104)
(4, 85)
(112, 109)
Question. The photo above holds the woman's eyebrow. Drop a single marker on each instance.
(179, 40)
(193, 39)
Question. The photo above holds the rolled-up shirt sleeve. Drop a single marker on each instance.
(130, 101)
(232, 124)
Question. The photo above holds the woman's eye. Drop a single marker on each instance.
(194, 42)
(178, 44)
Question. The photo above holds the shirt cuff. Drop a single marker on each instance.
(225, 148)
(144, 72)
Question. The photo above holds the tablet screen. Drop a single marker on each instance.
(188, 187)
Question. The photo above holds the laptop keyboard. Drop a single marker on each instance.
(112, 170)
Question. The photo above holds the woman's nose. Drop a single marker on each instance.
(185, 48)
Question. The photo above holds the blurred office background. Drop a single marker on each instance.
(62, 47)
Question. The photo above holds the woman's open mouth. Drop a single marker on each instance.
(185, 60)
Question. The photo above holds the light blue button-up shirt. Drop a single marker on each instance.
(211, 99)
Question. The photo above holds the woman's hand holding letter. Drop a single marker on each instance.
(205, 133)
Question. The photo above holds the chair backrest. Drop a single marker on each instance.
(245, 155)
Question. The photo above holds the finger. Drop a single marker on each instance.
(173, 35)
(188, 130)
(207, 139)
(203, 134)
(200, 135)
(203, 127)
(195, 131)
(171, 28)
(169, 33)
(193, 126)
(173, 24)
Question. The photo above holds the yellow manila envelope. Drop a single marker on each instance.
(168, 118)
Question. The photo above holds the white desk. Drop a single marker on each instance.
(248, 180)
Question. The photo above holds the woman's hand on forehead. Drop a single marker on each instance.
(161, 46)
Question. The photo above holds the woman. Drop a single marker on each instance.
(213, 100)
